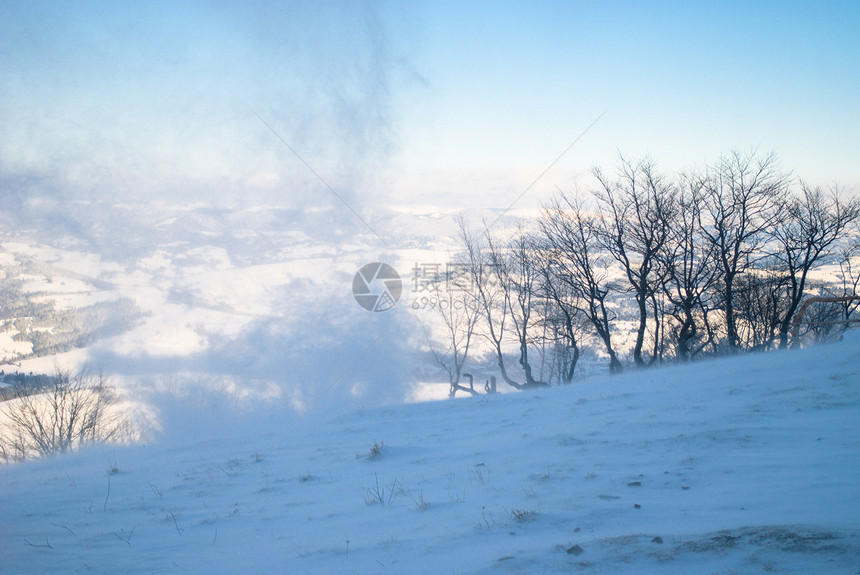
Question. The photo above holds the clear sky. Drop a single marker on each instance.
(161, 98)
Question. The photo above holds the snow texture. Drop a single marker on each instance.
(742, 465)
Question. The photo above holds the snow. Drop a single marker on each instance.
(10, 347)
(742, 465)
(258, 381)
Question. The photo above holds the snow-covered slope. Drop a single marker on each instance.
(745, 465)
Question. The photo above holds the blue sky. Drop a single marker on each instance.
(400, 99)
(683, 82)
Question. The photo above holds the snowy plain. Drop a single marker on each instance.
(742, 465)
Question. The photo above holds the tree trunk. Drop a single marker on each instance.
(731, 328)
(640, 331)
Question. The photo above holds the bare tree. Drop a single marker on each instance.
(456, 305)
(574, 254)
(824, 315)
(740, 195)
(480, 263)
(518, 276)
(636, 213)
(689, 273)
(75, 410)
(562, 319)
(807, 228)
(759, 304)
(849, 276)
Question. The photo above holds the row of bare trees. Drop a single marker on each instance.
(71, 411)
(702, 263)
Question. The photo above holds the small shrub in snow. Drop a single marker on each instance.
(382, 495)
(524, 515)
(420, 503)
(375, 452)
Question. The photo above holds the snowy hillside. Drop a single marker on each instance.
(746, 465)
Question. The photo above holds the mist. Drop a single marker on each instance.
(159, 100)
(222, 163)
